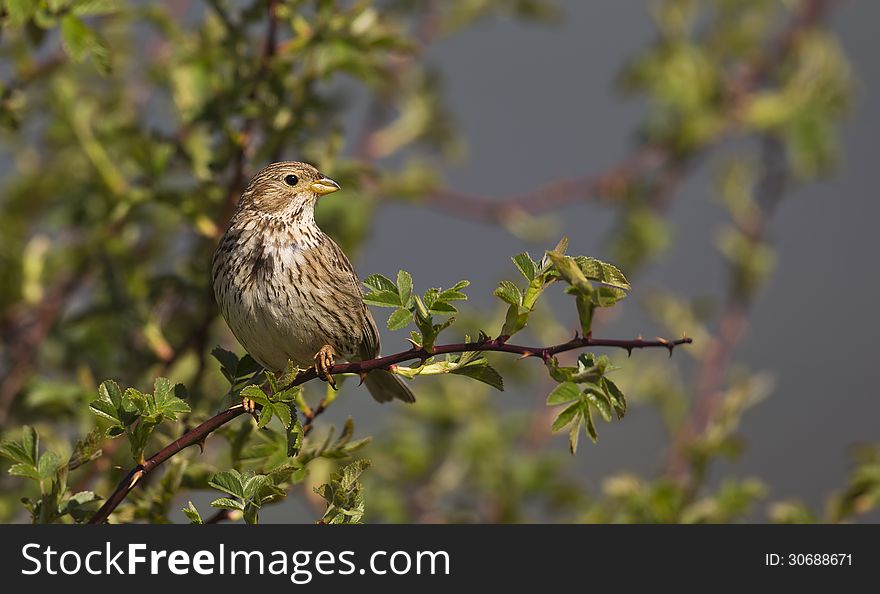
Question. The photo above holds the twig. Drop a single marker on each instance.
(200, 433)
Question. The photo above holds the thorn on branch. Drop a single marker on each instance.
(197, 435)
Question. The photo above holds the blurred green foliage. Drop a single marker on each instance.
(127, 131)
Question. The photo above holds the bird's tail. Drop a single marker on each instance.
(384, 386)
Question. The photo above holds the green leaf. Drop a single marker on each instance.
(404, 287)
(93, 7)
(344, 495)
(80, 42)
(256, 394)
(253, 485)
(266, 414)
(585, 309)
(112, 405)
(20, 11)
(569, 270)
(484, 373)
(431, 296)
(115, 431)
(618, 400)
(509, 293)
(454, 294)
(109, 391)
(24, 452)
(421, 314)
(574, 434)
(227, 503)
(138, 438)
(441, 308)
(144, 404)
(603, 272)
(30, 442)
(192, 513)
(564, 392)
(383, 299)
(25, 470)
(400, 318)
(228, 481)
(599, 400)
(591, 427)
(526, 266)
(167, 404)
(86, 449)
(272, 381)
(351, 473)
(104, 409)
(247, 366)
(228, 361)
(80, 506)
(283, 412)
(48, 465)
(294, 435)
(233, 368)
(570, 413)
(378, 282)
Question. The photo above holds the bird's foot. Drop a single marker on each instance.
(323, 363)
(250, 407)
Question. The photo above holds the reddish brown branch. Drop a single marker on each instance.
(200, 433)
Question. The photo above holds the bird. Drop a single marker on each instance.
(287, 290)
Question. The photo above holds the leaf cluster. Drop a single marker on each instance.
(137, 414)
(584, 388)
(49, 471)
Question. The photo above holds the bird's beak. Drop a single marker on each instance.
(322, 186)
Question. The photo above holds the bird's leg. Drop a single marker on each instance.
(323, 362)
(250, 406)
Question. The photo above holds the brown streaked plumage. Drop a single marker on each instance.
(286, 289)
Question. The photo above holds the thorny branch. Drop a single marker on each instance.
(200, 433)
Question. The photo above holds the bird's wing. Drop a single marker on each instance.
(369, 347)
(370, 343)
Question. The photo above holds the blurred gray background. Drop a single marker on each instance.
(538, 104)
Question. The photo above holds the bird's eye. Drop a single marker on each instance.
(291, 180)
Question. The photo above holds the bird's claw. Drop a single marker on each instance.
(324, 361)
(250, 407)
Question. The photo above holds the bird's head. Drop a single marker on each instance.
(286, 188)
